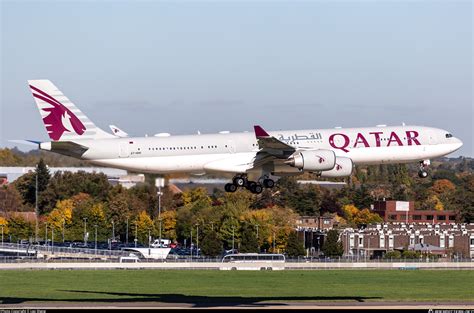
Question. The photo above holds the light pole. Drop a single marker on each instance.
(63, 228)
(126, 234)
(197, 239)
(46, 235)
(136, 234)
(149, 237)
(2, 233)
(85, 229)
(258, 243)
(95, 245)
(232, 239)
(36, 205)
(159, 183)
(52, 240)
(319, 245)
(160, 230)
(304, 238)
(273, 241)
(113, 230)
(368, 248)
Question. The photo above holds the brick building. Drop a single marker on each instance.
(404, 211)
(442, 239)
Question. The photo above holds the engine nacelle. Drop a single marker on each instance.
(313, 160)
(343, 168)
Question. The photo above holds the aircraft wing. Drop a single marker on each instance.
(270, 150)
(270, 145)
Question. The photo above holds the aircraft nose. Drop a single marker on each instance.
(457, 143)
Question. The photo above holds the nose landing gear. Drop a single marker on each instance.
(422, 173)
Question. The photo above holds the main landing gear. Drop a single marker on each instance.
(254, 187)
(422, 173)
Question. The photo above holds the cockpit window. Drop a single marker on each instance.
(449, 135)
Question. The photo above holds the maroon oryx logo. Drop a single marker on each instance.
(321, 159)
(60, 119)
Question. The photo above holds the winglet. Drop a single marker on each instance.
(260, 132)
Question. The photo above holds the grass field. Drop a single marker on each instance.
(239, 287)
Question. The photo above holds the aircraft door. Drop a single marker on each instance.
(231, 146)
(124, 151)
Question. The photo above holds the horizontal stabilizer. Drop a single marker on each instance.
(26, 142)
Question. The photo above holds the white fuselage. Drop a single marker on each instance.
(233, 152)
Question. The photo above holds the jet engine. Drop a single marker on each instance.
(313, 160)
(343, 168)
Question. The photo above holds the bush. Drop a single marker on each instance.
(411, 255)
(392, 255)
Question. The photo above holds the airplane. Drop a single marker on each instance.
(255, 158)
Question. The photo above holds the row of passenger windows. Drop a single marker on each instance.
(185, 148)
(181, 148)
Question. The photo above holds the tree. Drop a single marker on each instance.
(332, 246)
(365, 217)
(168, 224)
(211, 245)
(294, 246)
(4, 224)
(144, 227)
(349, 211)
(11, 200)
(64, 185)
(249, 242)
(20, 228)
(61, 215)
(26, 185)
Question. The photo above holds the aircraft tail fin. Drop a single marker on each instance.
(62, 119)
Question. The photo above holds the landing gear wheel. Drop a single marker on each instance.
(422, 174)
(230, 187)
(255, 187)
(239, 181)
(250, 185)
(268, 183)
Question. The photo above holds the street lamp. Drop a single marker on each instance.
(126, 234)
(159, 218)
(258, 243)
(149, 237)
(52, 240)
(197, 240)
(159, 183)
(63, 228)
(46, 235)
(318, 245)
(2, 232)
(95, 246)
(36, 205)
(113, 230)
(273, 242)
(232, 239)
(85, 229)
(136, 234)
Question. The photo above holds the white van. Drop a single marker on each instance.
(165, 243)
(131, 258)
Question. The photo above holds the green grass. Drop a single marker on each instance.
(200, 286)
